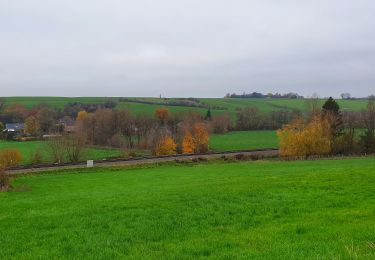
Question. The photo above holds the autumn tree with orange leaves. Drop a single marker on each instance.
(300, 139)
(82, 115)
(162, 114)
(188, 144)
(32, 125)
(200, 136)
(195, 139)
(165, 146)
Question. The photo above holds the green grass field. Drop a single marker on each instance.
(231, 104)
(243, 140)
(265, 209)
(28, 149)
(269, 105)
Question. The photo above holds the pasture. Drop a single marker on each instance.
(218, 210)
(243, 140)
(220, 105)
(28, 149)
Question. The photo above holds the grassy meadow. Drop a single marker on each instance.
(243, 140)
(264, 209)
(223, 105)
(28, 149)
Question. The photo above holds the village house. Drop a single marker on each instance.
(14, 127)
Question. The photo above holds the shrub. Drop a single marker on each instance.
(10, 157)
(56, 148)
(165, 146)
(36, 158)
(302, 140)
(74, 145)
(4, 180)
(240, 157)
(255, 157)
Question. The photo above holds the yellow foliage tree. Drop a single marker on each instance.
(200, 137)
(165, 146)
(32, 125)
(302, 140)
(82, 115)
(188, 144)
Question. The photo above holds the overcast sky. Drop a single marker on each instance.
(200, 48)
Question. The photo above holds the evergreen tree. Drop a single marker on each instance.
(331, 106)
(331, 112)
(208, 115)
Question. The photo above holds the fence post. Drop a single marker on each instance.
(90, 163)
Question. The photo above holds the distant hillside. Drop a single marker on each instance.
(217, 105)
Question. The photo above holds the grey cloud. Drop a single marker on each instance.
(186, 48)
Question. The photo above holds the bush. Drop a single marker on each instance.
(240, 157)
(255, 157)
(4, 180)
(10, 157)
(165, 146)
(36, 158)
(300, 139)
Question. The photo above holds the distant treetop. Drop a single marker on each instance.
(260, 95)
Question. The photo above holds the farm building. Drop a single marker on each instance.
(14, 127)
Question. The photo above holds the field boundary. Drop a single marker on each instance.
(266, 153)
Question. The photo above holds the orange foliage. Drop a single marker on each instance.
(10, 157)
(166, 146)
(200, 136)
(188, 144)
(32, 125)
(17, 109)
(299, 139)
(162, 114)
(82, 115)
(196, 140)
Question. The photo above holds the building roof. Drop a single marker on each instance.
(14, 127)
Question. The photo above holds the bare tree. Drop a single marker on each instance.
(2, 104)
(249, 118)
(74, 146)
(346, 96)
(313, 105)
(221, 124)
(143, 125)
(56, 147)
(125, 126)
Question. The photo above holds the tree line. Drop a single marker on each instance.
(329, 131)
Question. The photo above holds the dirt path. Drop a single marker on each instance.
(138, 161)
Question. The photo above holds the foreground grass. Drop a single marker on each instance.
(273, 210)
(28, 149)
(243, 140)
